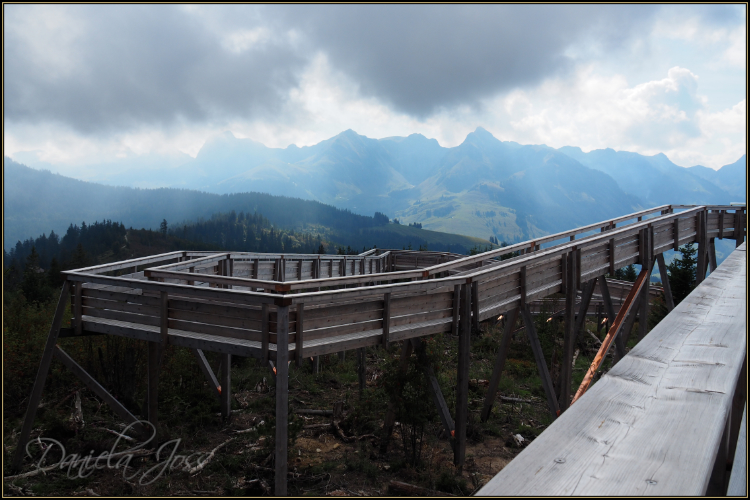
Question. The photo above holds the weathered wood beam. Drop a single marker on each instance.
(100, 391)
(205, 367)
(499, 366)
(613, 331)
(665, 282)
(433, 388)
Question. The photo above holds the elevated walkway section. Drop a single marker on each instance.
(665, 420)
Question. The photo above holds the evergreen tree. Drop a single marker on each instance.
(163, 226)
(34, 285)
(682, 273)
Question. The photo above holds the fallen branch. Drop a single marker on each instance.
(210, 457)
(304, 411)
(598, 342)
(123, 436)
(316, 426)
(515, 400)
(410, 489)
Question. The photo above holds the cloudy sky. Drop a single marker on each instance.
(87, 84)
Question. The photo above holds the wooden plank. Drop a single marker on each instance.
(282, 401)
(41, 375)
(677, 383)
(540, 362)
(499, 366)
(100, 391)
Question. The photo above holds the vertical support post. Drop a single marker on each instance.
(456, 308)
(475, 306)
(612, 259)
(342, 356)
(316, 365)
(462, 384)
(78, 308)
(739, 227)
(264, 333)
(256, 268)
(665, 281)
(226, 385)
(41, 375)
(191, 270)
(497, 370)
(386, 320)
(676, 234)
(700, 273)
(566, 370)
(721, 224)
(646, 263)
(282, 398)
(712, 254)
(298, 337)
(607, 298)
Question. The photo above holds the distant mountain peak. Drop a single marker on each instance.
(481, 136)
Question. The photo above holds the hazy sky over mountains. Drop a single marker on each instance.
(91, 83)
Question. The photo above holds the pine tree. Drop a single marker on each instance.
(682, 273)
(34, 285)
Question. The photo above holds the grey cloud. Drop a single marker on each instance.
(158, 64)
(419, 58)
(150, 64)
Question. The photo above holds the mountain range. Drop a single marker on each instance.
(483, 187)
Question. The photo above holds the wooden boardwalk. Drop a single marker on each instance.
(283, 307)
(660, 420)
